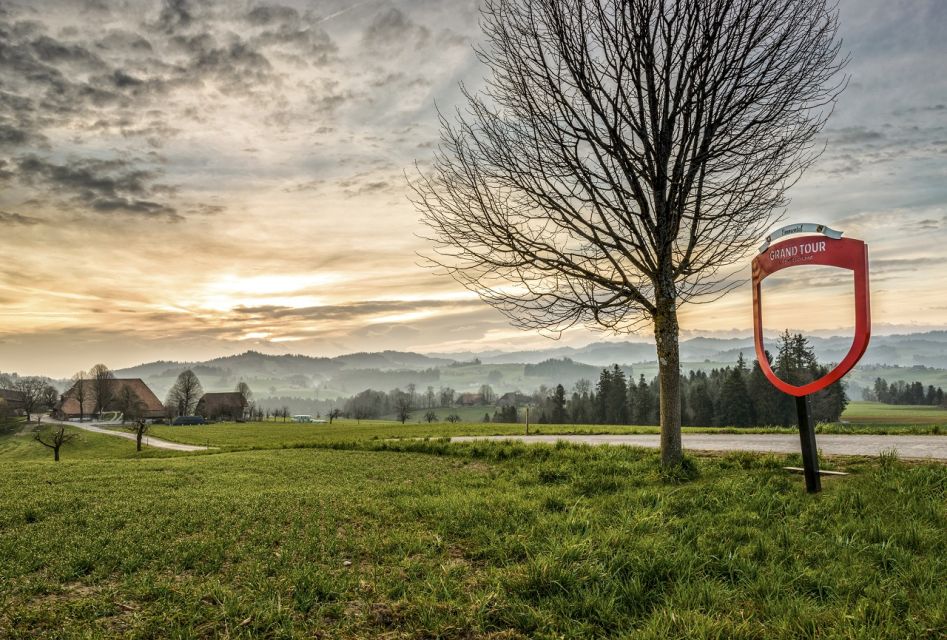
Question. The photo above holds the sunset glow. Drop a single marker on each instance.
(235, 178)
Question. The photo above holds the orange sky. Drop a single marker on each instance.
(185, 184)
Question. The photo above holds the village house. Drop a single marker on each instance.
(13, 400)
(514, 399)
(224, 406)
(68, 408)
(469, 399)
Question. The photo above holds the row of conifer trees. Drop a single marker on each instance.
(738, 395)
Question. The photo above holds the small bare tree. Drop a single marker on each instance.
(102, 387)
(141, 430)
(185, 393)
(80, 391)
(49, 397)
(334, 415)
(625, 157)
(430, 416)
(55, 438)
(403, 407)
(31, 392)
(244, 390)
(129, 403)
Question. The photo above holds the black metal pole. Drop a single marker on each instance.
(810, 455)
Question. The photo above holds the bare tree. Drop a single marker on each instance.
(404, 405)
(624, 158)
(31, 390)
(447, 396)
(129, 403)
(452, 418)
(244, 390)
(80, 392)
(334, 415)
(49, 397)
(185, 393)
(102, 387)
(141, 430)
(430, 416)
(55, 438)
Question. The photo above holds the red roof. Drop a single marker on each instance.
(69, 404)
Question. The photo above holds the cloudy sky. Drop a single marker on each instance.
(195, 178)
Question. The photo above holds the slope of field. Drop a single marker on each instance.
(499, 541)
(878, 413)
(21, 446)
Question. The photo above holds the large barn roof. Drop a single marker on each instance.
(69, 406)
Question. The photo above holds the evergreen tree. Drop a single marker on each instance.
(559, 405)
(616, 407)
(770, 405)
(602, 392)
(702, 404)
(643, 403)
(735, 406)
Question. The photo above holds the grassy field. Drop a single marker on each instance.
(19, 446)
(878, 413)
(861, 417)
(468, 541)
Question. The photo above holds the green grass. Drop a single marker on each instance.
(483, 540)
(20, 445)
(269, 435)
(888, 414)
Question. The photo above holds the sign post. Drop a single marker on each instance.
(826, 249)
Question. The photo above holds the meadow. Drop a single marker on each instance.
(877, 413)
(349, 533)
(860, 417)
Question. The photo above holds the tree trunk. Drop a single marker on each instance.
(669, 379)
(138, 441)
(55, 454)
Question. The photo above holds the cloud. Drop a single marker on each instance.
(16, 219)
(268, 14)
(106, 186)
(391, 28)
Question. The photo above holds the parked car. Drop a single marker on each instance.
(186, 420)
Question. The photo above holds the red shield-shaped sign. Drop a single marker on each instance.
(845, 253)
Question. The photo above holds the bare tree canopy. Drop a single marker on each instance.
(244, 390)
(102, 387)
(54, 438)
(185, 393)
(31, 394)
(625, 156)
(129, 403)
(80, 392)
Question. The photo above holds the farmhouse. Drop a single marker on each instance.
(513, 399)
(12, 399)
(469, 399)
(218, 406)
(68, 406)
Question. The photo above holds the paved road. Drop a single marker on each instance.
(157, 443)
(915, 447)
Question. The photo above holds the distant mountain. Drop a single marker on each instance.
(906, 356)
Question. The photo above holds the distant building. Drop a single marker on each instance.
(68, 406)
(224, 406)
(13, 399)
(470, 399)
(513, 399)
